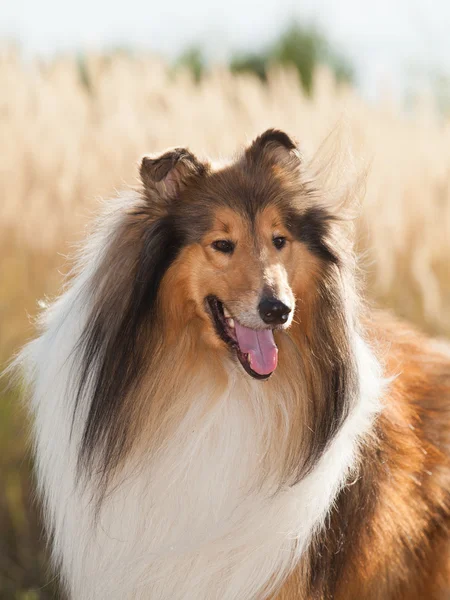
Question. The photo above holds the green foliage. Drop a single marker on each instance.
(193, 60)
(83, 72)
(303, 47)
(251, 63)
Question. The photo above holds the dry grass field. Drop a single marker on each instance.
(69, 136)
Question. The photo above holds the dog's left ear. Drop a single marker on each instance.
(276, 147)
(164, 176)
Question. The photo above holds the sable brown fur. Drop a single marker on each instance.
(388, 534)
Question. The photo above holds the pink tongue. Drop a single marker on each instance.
(260, 346)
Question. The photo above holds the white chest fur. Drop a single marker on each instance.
(197, 521)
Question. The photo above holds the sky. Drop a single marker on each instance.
(386, 40)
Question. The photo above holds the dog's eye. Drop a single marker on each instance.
(224, 246)
(279, 242)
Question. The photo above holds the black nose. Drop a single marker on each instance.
(273, 312)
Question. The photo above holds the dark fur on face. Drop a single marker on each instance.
(123, 334)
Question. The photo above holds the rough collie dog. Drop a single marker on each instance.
(215, 414)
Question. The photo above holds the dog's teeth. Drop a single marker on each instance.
(230, 323)
(226, 312)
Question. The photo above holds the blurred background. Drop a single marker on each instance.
(87, 87)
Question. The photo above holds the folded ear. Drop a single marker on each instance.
(276, 147)
(165, 175)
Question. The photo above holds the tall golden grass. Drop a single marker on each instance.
(64, 144)
(66, 140)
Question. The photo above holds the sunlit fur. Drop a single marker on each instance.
(166, 471)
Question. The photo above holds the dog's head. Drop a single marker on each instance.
(232, 261)
(251, 241)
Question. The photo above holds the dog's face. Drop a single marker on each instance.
(252, 245)
(244, 277)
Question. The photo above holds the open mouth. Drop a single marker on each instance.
(255, 349)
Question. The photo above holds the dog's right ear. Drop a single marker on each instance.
(276, 147)
(165, 175)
